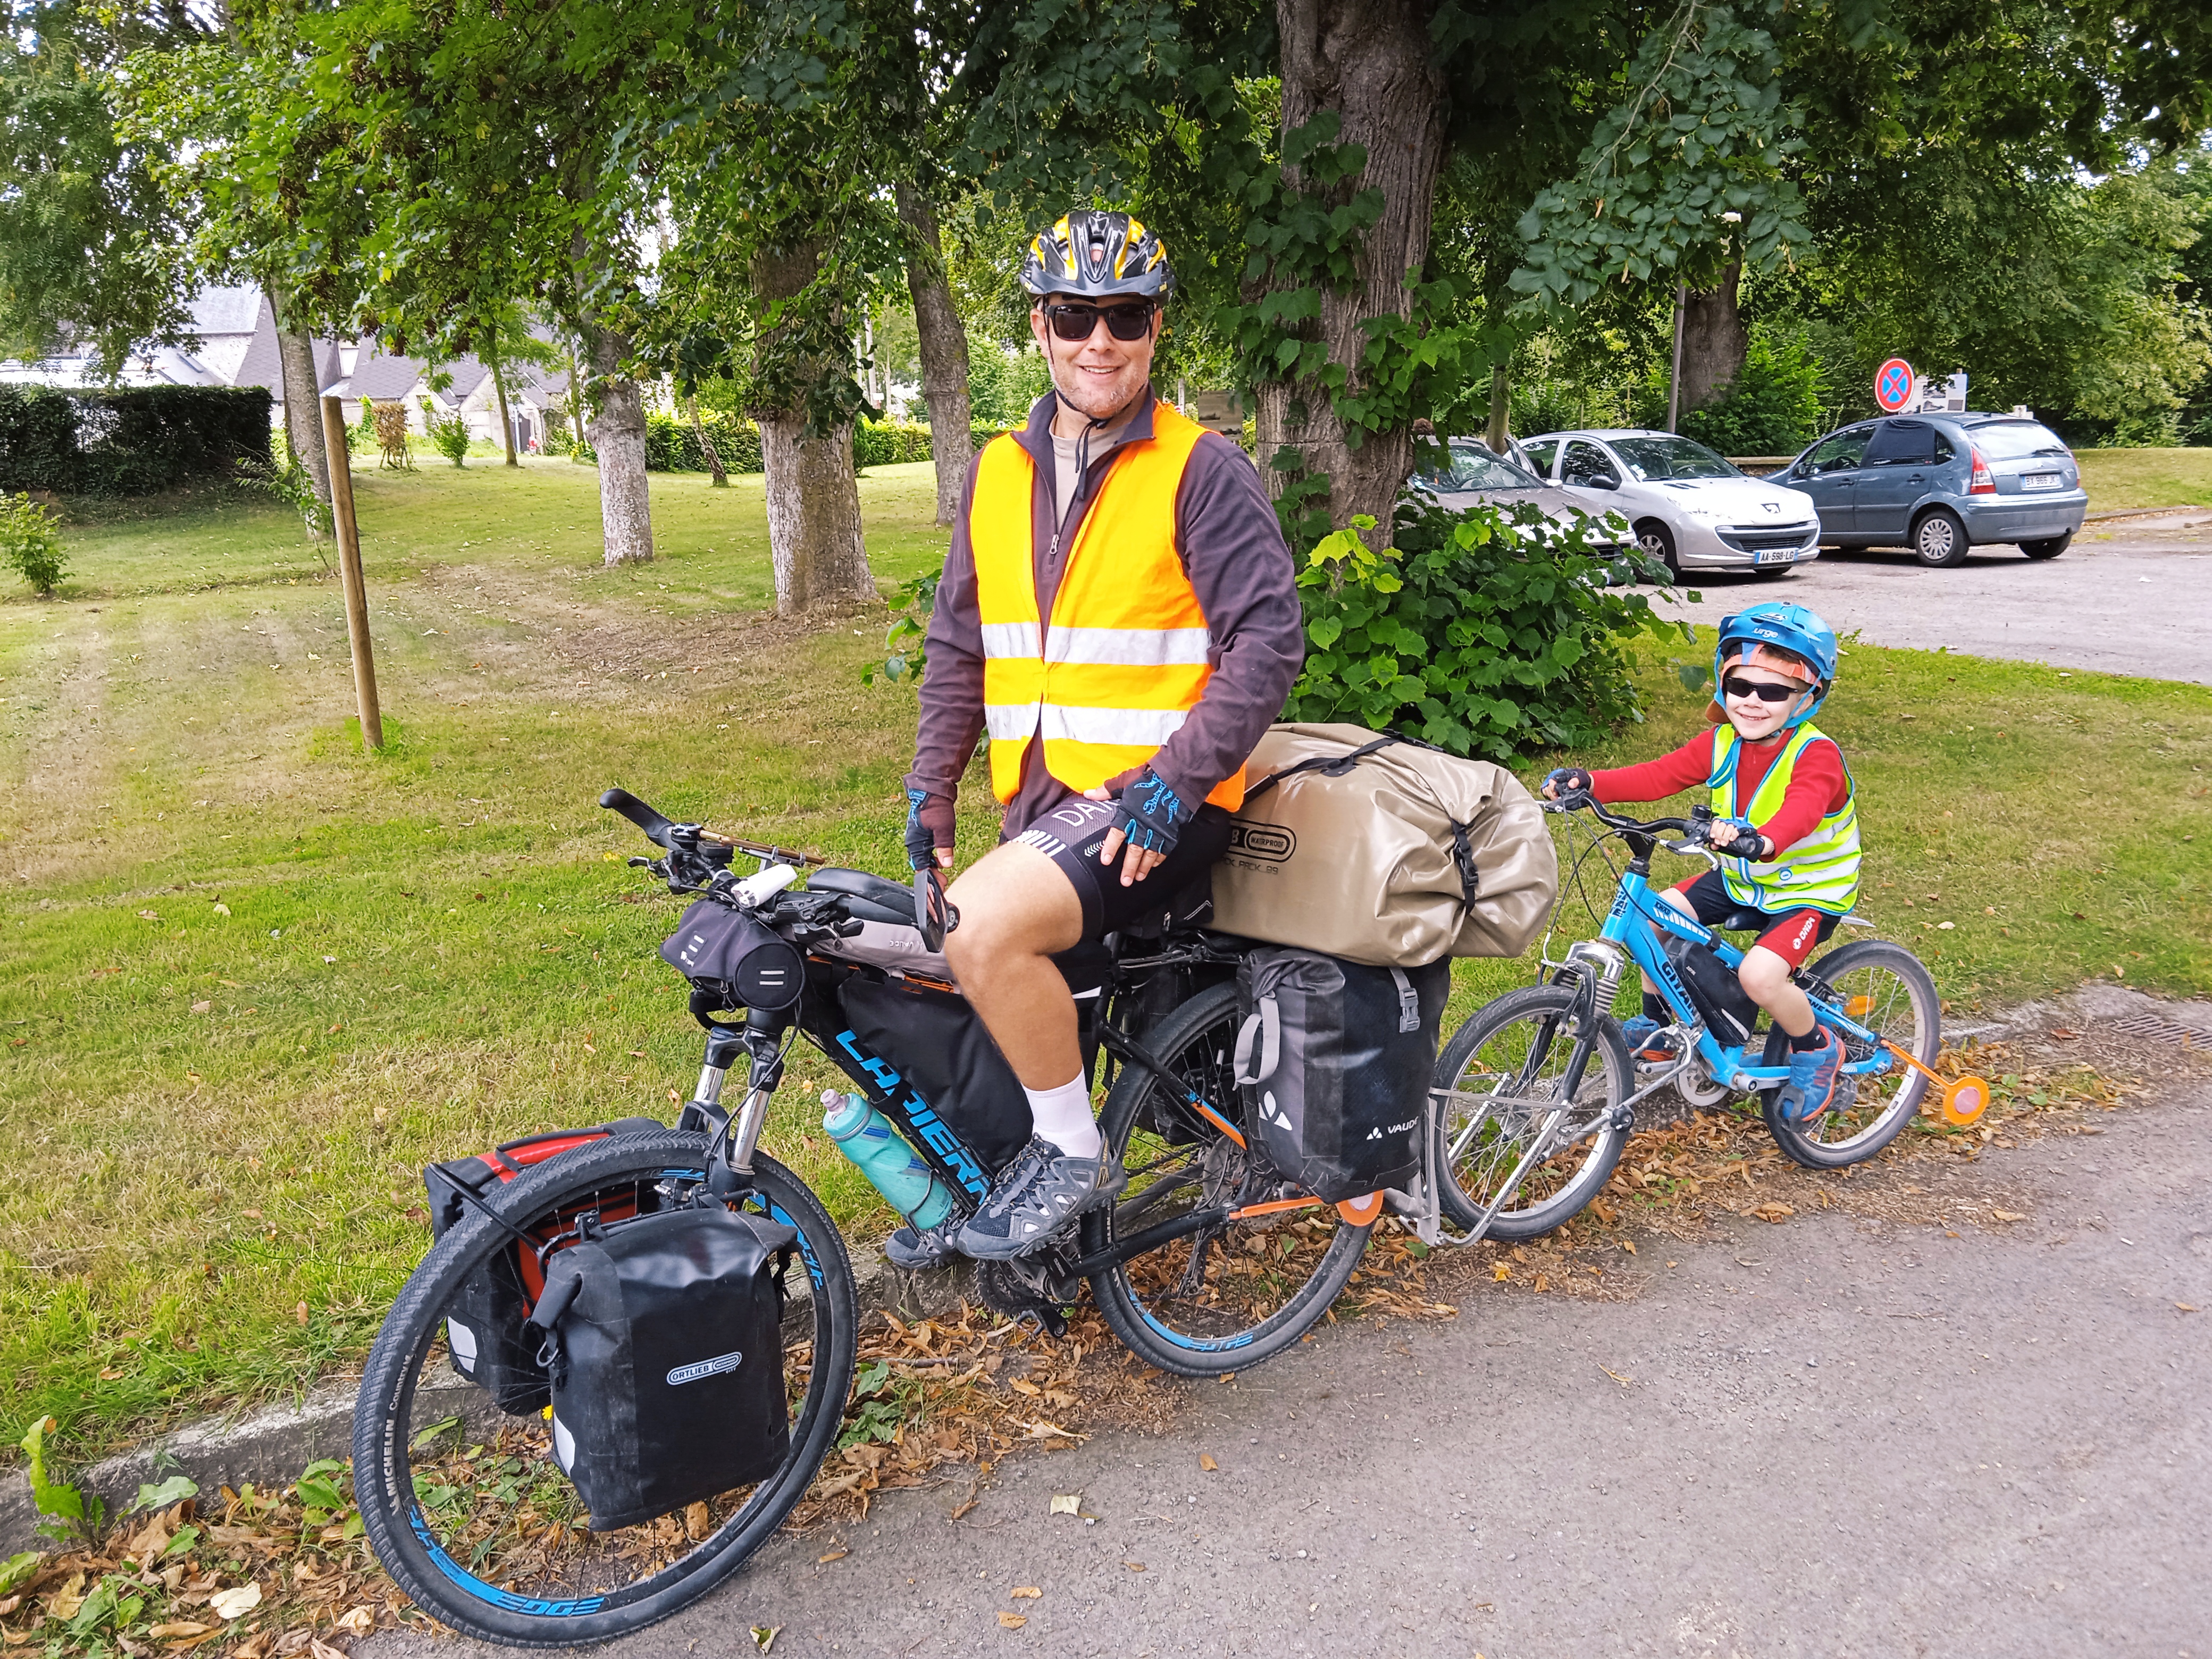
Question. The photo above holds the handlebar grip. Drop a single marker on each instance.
(655, 826)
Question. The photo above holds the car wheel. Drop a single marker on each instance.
(1654, 541)
(1939, 538)
(2048, 550)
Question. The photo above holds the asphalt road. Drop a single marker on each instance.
(1843, 1436)
(2131, 596)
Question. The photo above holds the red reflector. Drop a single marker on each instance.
(1984, 482)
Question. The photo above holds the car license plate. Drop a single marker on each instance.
(1778, 555)
(2039, 481)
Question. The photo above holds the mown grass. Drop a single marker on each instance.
(251, 979)
(2119, 479)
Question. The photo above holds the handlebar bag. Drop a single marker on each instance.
(1729, 1009)
(722, 949)
(485, 1342)
(1383, 850)
(1333, 1060)
(663, 1338)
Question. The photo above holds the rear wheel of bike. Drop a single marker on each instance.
(1504, 1072)
(1229, 1296)
(457, 1483)
(1883, 987)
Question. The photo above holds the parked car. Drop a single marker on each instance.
(1471, 475)
(1941, 483)
(1689, 508)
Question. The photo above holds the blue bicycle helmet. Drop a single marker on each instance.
(1791, 628)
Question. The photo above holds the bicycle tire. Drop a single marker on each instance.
(1864, 1132)
(1194, 1043)
(544, 1611)
(1583, 1177)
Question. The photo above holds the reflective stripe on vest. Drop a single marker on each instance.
(1818, 872)
(1124, 659)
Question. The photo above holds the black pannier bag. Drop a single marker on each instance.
(719, 948)
(938, 1043)
(1334, 1061)
(1729, 1009)
(485, 1340)
(663, 1337)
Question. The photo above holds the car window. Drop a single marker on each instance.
(1474, 467)
(1658, 458)
(1944, 452)
(1584, 461)
(1838, 453)
(2012, 440)
(1541, 454)
(1902, 443)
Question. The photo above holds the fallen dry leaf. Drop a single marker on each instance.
(230, 1604)
(1134, 1566)
(319, 1649)
(2008, 1215)
(1776, 1214)
(2186, 1307)
(1066, 1502)
(359, 1620)
(1205, 1461)
(1500, 1272)
(1026, 1593)
(837, 1554)
(764, 1636)
(181, 1627)
(1629, 1245)
(1012, 1620)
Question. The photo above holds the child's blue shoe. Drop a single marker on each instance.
(1812, 1077)
(1644, 1043)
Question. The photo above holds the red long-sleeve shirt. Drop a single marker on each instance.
(1818, 785)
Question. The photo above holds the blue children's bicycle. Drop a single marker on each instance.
(1538, 1090)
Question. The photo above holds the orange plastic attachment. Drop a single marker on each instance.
(1360, 1210)
(1275, 1208)
(1859, 1007)
(1959, 1101)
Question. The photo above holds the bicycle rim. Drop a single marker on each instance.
(456, 1480)
(1230, 1296)
(1883, 987)
(1504, 1072)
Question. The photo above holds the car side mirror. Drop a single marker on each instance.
(1599, 481)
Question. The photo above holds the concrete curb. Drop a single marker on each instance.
(2143, 512)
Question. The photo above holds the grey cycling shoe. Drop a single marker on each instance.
(919, 1249)
(1037, 1197)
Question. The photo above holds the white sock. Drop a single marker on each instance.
(1062, 1115)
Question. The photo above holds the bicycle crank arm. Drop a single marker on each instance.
(1129, 1249)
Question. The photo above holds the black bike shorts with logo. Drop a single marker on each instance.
(1071, 834)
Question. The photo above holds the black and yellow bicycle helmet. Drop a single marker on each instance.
(1091, 254)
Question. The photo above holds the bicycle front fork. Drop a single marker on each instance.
(762, 1038)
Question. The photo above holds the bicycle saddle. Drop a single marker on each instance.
(871, 898)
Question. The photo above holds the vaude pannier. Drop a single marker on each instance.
(664, 1340)
(1334, 1059)
(1383, 850)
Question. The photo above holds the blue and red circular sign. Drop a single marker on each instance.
(1893, 384)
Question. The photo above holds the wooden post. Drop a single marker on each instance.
(356, 591)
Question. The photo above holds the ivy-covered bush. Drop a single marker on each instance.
(1488, 633)
(130, 442)
(31, 542)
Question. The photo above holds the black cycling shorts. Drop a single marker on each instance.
(1071, 835)
(1790, 934)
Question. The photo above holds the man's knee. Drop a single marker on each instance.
(1014, 904)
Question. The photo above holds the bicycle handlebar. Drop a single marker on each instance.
(656, 827)
(1695, 827)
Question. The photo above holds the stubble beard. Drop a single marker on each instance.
(1099, 398)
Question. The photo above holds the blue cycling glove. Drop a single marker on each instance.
(1149, 815)
(1729, 834)
(1567, 779)
(929, 825)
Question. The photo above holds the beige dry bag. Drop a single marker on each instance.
(1383, 850)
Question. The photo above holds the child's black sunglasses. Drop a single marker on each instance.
(1736, 687)
(1073, 322)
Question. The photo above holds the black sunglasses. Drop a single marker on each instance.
(1743, 688)
(1073, 322)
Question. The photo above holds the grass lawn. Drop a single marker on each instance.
(2118, 479)
(250, 981)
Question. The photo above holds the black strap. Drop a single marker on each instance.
(462, 1193)
(1335, 768)
(1470, 878)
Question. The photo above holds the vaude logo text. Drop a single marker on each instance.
(699, 1368)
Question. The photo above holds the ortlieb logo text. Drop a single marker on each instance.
(1269, 841)
(703, 1368)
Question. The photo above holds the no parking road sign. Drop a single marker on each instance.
(1893, 384)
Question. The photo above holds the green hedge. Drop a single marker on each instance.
(670, 446)
(130, 442)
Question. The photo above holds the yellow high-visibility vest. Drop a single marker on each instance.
(1123, 659)
(1820, 872)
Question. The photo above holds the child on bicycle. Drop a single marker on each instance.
(1785, 824)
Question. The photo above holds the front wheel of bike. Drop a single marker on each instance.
(1231, 1295)
(456, 1479)
(1504, 1076)
(1883, 988)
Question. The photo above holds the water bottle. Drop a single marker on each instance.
(892, 1167)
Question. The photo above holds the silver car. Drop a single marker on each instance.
(1470, 475)
(1689, 507)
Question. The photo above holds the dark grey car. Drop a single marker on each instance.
(1941, 483)
(1473, 476)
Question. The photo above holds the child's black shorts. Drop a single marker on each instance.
(1790, 934)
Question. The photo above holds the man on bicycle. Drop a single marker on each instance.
(1119, 611)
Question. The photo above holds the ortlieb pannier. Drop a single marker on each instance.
(484, 1336)
(1334, 1059)
(1383, 850)
(663, 1339)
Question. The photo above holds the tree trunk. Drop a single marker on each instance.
(1501, 408)
(943, 354)
(506, 421)
(303, 404)
(616, 431)
(575, 394)
(813, 498)
(718, 475)
(1370, 61)
(1714, 343)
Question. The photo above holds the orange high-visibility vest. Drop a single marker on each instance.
(1124, 657)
